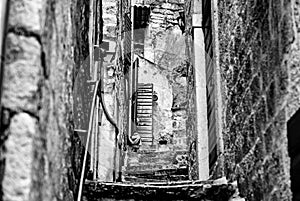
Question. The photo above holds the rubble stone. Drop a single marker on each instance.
(19, 156)
(23, 74)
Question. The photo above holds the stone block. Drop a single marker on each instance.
(26, 14)
(22, 74)
(19, 155)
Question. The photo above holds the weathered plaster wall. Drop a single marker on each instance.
(171, 92)
(169, 58)
(165, 68)
(149, 73)
(255, 51)
(39, 158)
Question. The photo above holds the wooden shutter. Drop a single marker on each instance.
(145, 113)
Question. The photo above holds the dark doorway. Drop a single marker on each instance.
(294, 153)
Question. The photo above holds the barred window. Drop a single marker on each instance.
(141, 21)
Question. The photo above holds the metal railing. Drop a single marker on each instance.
(93, 135)
(89, 133)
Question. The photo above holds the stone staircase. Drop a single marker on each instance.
(152, 166)
(175, 191)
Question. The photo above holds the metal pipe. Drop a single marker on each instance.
(107, 115)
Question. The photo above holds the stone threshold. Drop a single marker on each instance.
(180, 190)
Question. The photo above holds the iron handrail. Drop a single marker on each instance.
(88, 140)
(97, 93)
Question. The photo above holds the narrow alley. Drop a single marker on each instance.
(105, 100)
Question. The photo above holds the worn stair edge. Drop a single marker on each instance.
(157, 179)
(206, 190)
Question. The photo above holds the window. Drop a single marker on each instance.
(141, 19)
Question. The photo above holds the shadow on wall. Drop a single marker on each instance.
(294, 153)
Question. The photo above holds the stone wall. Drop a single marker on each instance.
(255, 50)
(39, 156)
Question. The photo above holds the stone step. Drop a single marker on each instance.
(171, 174)
(187, 190)
(153, 161)
(152, 178)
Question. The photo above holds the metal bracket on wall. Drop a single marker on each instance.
(80, 130)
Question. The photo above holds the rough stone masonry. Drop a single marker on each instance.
(259, 42)
(259, 65)
(45, 42)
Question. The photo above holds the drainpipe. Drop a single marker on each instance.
(4, 4)
(201, 98)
